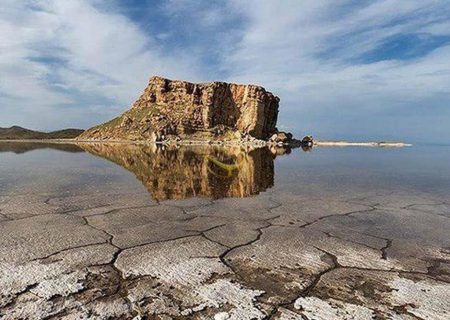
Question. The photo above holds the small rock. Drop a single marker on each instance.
(126, 121)
(221, 316)
(283, 137)
(308, 141)
(186, 312)
(273, 137)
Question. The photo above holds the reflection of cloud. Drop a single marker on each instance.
(171, 173)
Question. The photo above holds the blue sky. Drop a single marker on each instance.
(343, 69)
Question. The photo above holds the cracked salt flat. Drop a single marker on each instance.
(90, 243)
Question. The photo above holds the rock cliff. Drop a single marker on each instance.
(180, 109)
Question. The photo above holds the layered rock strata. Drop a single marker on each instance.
(182, 110)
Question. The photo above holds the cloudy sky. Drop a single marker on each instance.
(343, 69)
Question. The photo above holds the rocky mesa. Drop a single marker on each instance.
(180, 110)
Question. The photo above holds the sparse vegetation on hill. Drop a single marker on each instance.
(19, 133)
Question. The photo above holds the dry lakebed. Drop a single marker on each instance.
(126, 231)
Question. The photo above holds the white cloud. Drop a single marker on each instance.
(55, 53)
(76, 62)
(308, 52)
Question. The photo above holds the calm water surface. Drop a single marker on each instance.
(218, 173)
(119, 230)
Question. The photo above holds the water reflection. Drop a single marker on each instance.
(179, 173)
(23, 147)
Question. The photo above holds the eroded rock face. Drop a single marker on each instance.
(180, 108)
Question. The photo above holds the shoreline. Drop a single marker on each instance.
(257, 143)
(380, 144)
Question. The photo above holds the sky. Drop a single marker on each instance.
(355, 70)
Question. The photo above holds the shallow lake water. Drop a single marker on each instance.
(117, 231)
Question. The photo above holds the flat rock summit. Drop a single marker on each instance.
(174, 109)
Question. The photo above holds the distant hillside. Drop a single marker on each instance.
(19, 133)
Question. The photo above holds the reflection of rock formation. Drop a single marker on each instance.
(170, 173)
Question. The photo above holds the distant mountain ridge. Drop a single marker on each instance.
(19, 133)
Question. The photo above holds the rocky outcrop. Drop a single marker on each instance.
(184, 110)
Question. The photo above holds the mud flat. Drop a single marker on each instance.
(104, 249)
